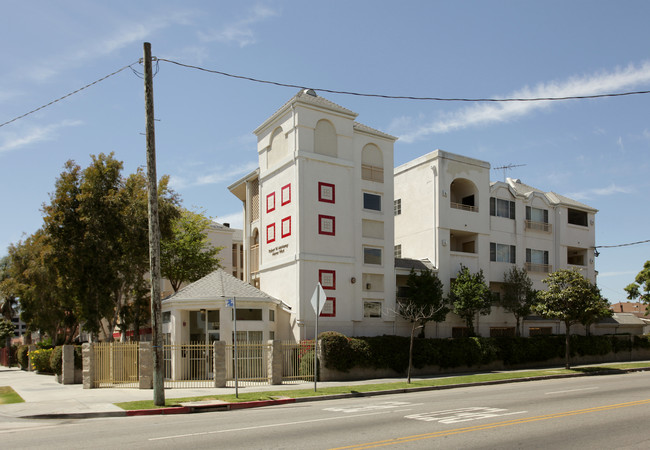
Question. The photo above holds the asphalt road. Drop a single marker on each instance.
(578, 413)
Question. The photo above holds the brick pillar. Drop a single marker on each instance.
(145, 362)
(219, 363)
(88, 355)
(274, 362)
(67, 374)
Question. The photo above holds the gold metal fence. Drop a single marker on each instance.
(116, 364)
(252, 360)
(189, 365)
(297, 361)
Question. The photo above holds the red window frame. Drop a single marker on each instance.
(271, 229)
(288, 233)
(271, 197)
(322, 217)
(287, 189)
(321, 272)
(321, 185)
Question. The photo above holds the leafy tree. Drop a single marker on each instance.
(6, 332)
(8, 301)
(570, 298)
(599, 309)
(423, 303)
(640, 289)
(188, 254)
(469, 295)
(518, 294)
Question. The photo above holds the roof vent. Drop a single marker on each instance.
(516, 180)
(310, 92)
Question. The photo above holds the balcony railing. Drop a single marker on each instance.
(543, 268)
(372, 173)
(255, 258)
(464, 207)
(539, 226)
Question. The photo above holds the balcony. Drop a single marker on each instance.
(463, 207)
(538, 226)
(540, 268)
(372, 173)
(255, 258)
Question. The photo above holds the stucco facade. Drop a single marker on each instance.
(319, 209)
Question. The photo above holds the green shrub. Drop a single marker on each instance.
(56, 360)
(307, 364)
(337, 351)
(41, 360)
(23, 357)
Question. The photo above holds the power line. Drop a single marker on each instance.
(67, 95)
(331, 91)
(405, 97)
(623, 245)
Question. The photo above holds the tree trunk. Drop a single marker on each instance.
(408, 373)
(517, 329)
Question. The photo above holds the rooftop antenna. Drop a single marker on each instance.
(507, 167)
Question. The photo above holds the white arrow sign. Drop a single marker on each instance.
(318, 299)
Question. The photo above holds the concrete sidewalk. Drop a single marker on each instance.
(45, 398)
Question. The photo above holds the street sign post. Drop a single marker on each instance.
(317, 302)
(232, 303)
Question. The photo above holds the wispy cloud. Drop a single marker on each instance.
(236, 220)
(413, 129)
(600, 192)
(33, 135)
(214, 176)
(126, 34)
(240, 32)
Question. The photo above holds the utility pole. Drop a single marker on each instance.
(154, 234)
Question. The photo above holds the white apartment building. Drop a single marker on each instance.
(447, 211)
(319, 209)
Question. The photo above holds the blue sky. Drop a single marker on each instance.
(596, 151)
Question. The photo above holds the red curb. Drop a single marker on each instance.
(259, 403)
(159, 411)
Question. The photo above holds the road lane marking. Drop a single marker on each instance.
(257, 427)
(443, 433)
(462, 415)
(571, 390)
(379, 406)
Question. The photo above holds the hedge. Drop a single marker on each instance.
(391, 352)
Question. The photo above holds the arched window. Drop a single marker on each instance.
(278, 148)
(255, 252)
(325, 139)
(372, 163)
(463, 195)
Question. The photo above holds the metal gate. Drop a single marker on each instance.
(116, 365)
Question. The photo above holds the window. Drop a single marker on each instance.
(166, 317)
(577, 217)
(372, 164)
(327, 278)
(249, 314)
(270, 233)
(271, 315)
(285, 194)
(270, 202)
(326, 192)
(326, 225)
(372, 308)
(372, 255)
(272, 335)
(285, 227)
(502, 331)
(502, 208)
(459, 332)
(398, 251)
(536, 256)
(502, 253)
(536, 214)
(397, 207)
(329, 308)
(371, 201)
(540, 331)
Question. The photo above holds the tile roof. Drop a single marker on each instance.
(365, 128)
(219, 285)
(553, 197)
(416, 264)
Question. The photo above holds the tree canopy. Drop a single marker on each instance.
(572, 299)
(187, 254)
(469, 295)
(518, 294)
(640, 289)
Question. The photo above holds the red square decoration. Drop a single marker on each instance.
(270, 202)
(326, 192)
(270, 233)
(285, 229)
(327, 278)
(326, 225)
(329, 308)
(286, 194)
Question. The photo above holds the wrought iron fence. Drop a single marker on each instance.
(188, 365)
(252, 362)
(297, 361)
(116, 364)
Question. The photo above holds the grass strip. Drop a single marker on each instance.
(8, 395)
(361, 388)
